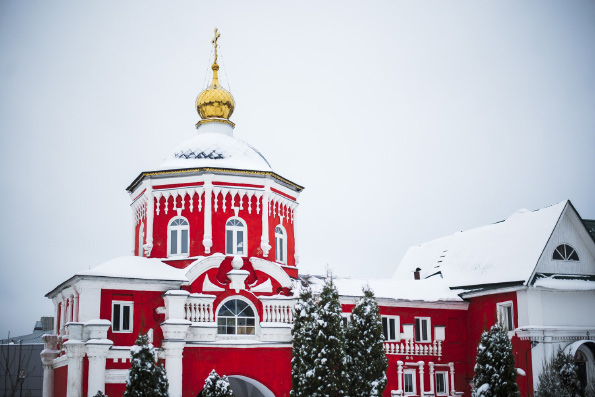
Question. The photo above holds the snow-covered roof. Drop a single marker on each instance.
(502, 252)
(430, 290)
(136, 267)
(211, 149)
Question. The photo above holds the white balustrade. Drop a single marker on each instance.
(199, 310)
(278, 312)
(409, 347)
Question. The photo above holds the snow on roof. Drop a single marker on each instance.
(137, 267)
(430, 290)
(506, 251)
(211, 149)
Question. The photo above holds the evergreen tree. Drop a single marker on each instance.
(495, 370)
(99, 394)
(366, 359)
(145, 379)
(559, 377)
(216, 386)
(302, 333)
(329, 377)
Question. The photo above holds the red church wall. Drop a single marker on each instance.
(275, 220)
(269, 366)
(482, 316)
(114, 389)
(143, 314)
(60, 381)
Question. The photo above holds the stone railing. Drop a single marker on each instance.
(199, 309)
(278, 311)
(410, 348)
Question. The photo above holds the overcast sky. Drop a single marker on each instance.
(405, 121)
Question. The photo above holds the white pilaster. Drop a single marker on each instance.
(421, 377)
(62, 314)
(97, 350)
(75, 351)
(150, 214)
(173, 351)
(452, 378)
(431, 365)
(48, 355)
(207, 240)
(400, 374)
(175, 301)
(296, 251)
(264, 239)
(75, 307)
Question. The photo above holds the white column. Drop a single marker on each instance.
(75, 307)
(48, 355)
(173, 366)
(431, 365)
(207, 240)
(264, 239)
(56, 317)
(62, 315)
(400, 374)
(421, 377)
(97, 350)
(69, 315)
(296, 252)
(452, 378)
(134, 236)
(150, 215)
(75, 351)
(548, 347)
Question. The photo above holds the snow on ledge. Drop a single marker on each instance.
(567, 285)
(136, 267)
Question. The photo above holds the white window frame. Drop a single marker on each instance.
(397, 328)
(178, 229)
(141, 238)
(235, 230)
(413, 373)
(503, 316)
(345, 319)
(129, 304)
(566, 257)
(446, 389)
(429, 329)
(283, 238)
(238, 336)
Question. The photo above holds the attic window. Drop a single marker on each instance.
(565, 252)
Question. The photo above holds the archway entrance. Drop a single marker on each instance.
(583, 353)
(243, 386)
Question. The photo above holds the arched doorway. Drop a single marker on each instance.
(583, 353)
(243, 386)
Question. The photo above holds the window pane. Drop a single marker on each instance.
(417, 330)
(126, 318)
(440, 383)
(408, 383)
(184, 241)
(385, 327)
(509, 317)
(392, 329)
(229, 245)
(116, 319)
(240, 242)
(573, 256)
(280, 250)
(424, 329)
(173, 243)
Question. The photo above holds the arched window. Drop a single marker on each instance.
(565, 252)
(236, 317)
(236, 237)
(280, 245)
(179, 232)
(141, 239)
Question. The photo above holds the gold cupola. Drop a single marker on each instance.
(215, 103)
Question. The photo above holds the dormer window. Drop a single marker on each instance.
(235, 237)
(565, 252)
(178, 242)
(280, 245)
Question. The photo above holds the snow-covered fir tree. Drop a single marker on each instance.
(145, 378)
(100, 394)
(329, 377)
(302, 363)
(495, 370)
(217, 386)
(366, 360)
(559, 378)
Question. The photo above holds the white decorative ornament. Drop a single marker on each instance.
(208, 286)
(237, 262)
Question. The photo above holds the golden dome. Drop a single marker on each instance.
(215, 101)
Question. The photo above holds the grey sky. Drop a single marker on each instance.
(405, 121)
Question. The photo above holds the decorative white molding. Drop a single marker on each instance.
(265, 286)
(272, 269)
(411, 348)
(208, 286)
(203, 264)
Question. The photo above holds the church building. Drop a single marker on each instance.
(214, 278)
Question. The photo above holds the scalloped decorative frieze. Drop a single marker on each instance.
(187, 194)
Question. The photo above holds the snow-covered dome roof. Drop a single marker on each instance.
(213, 149)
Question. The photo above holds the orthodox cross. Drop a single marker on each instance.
(214, 41)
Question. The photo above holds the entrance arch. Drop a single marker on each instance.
(243, 386)
(583, 353)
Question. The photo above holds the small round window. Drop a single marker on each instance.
(235, 317)
(565, 252)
